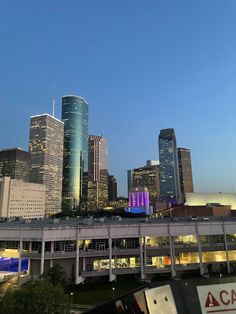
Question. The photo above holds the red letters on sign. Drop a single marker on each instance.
(233, 296)
(224, 297)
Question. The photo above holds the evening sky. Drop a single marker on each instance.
(141, 65)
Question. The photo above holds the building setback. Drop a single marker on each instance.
(169, 167)
(21, 199)
(185, 170)
(75, 161)
(14, 163)
(46, 158)
(98, 173)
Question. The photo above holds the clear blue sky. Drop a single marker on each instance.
(141, 65)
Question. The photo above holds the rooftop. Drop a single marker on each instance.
(48, 115)
(115, 220)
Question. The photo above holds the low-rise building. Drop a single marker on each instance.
(201, 211)
(21, 199)
(88, 248)
(203, 199)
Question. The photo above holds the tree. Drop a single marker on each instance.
(55, 275)
(36, 298)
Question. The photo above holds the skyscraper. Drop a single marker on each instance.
(98, 172)
(169, 167)
(46, 158)
(185, 170)
(75, 162)
(14, 163)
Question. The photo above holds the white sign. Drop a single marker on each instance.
(218, 298)
(160, 300)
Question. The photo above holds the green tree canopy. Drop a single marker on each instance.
(40, 297)
(55, 275)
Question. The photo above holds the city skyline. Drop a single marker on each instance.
(184, 77)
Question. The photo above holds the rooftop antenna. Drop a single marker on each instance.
(53, 101)
(53, 107)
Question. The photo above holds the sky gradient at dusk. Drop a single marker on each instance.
(141, 65)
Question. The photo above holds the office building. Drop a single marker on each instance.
(14, 163)
(75, 162)
(46, 158)
(97, 173)
(112, 188)
(147, 177)
(21, 199)
(139, 201)
(139, 197)
(98, 158)
(169, 167)
(185, 171)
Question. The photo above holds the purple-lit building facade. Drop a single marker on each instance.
(139, 198)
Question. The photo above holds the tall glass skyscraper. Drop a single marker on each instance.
(75, 162)
(169, 167)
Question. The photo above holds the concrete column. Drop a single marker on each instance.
(172, 253)
(112, 277)
(30, 246)
(52, 250)
(226, 249)
(77, 263)
(20, 247)
(42, 257)
(172, 256)
(145, 253)
(29, 259)
(110, 258)
(199, 250)
(78, 278)
(141, 258)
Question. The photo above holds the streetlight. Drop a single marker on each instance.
(113, 292)
(71, 297)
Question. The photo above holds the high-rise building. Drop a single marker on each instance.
(75, 162)
(169, 167)
(185, 170)
(46, 158)
(146, 177)
(97, 172)
(112, 188)
(14, 163)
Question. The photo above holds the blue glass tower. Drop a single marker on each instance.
(75, 161)
(169, 168)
